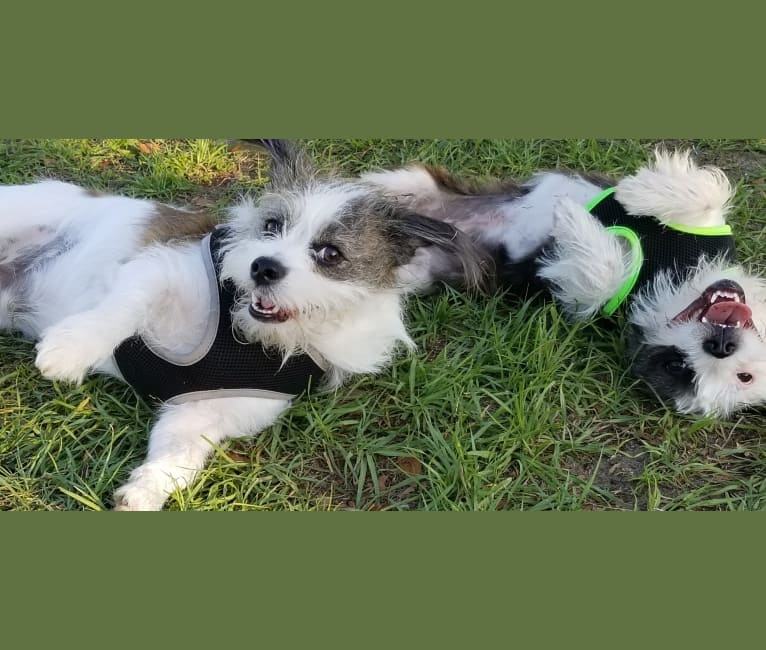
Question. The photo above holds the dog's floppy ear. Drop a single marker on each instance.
(439, 252)
(290, 164)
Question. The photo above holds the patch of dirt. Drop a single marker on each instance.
(618, 475)
(739, 164)
(435, 347)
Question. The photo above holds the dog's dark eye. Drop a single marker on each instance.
(675, 366)
(272, 227)
(745, 377)
(328, 255)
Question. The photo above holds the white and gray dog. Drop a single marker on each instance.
(222, 325)
(656, 240)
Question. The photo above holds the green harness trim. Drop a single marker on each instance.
(635, 268)
(637, 251)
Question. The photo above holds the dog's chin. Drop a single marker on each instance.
(723, 304)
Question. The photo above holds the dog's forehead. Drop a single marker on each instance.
(323, 206)
(363, 216)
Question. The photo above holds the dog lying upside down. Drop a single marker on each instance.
(655, 241)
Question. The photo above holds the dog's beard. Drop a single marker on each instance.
(294, 324)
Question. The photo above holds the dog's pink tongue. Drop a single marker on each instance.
(729, 313)
(266, 303)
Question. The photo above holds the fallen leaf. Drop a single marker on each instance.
(410, 465)
(237, 458)
(147, 147)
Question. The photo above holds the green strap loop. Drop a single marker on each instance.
(635, 268)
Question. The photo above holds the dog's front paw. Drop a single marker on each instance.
(133, 496)
(148, 487)
(66, 352)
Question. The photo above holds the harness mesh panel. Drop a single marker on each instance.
(664, 248)
(228, 365)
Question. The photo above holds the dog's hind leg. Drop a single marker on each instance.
(585, 265)
(183, 438)
(675, 190)
(30, 209)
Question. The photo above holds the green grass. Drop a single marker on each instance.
(505, 405)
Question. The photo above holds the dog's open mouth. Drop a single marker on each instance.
(264, 309)
(721, 304)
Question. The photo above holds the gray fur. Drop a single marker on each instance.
(376, 237)
(291, 167)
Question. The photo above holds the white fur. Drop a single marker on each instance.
(534, 215)
(583, 288)
(408, 181)
(675, 190)
(104, 287)
(183, 438)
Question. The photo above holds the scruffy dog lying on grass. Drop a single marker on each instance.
(655, 241)
(223, 326)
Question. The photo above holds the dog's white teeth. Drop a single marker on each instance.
(705, 320)
(263, 305)
(726, 295)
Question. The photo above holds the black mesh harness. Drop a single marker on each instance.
(221, 366)
(661, 247)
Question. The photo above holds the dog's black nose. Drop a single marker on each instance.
(266, 270)
(722, 343)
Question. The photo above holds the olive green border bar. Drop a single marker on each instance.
(88, 69)
(652, 69)
(468, 580)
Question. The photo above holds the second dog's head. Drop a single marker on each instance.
(321, 263)
(701, 344)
